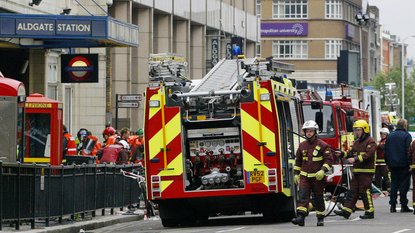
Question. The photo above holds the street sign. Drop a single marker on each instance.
(128, 105)
(131, 97)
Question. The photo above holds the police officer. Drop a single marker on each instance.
(362, 156)
(312, 161)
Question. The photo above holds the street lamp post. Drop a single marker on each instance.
(361, 18)
(403, 77)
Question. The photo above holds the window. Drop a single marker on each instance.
(333, 9)
(289, 9)
(333, 48)
(68, 108)
(258, 8)
(290, 49)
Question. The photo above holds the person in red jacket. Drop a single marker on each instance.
(362, 156)
(381, 169)
(312, 161)
(110, 137)
(69, 145)
(117, 153)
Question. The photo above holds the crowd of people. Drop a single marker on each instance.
(394, 153)
(119, 147)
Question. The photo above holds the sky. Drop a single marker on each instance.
(397, 17)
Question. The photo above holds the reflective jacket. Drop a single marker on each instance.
(411, 155)
(110, 140)
(113, 154)
(70, 146)
(380, 158)
(312, 157)
(363, 151)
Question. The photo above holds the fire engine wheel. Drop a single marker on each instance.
(170, 222)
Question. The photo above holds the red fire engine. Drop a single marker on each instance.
(224, 146)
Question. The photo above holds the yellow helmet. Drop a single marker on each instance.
(362, 124)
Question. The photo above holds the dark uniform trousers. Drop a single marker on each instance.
(361, 182)
(413, 185)
(306, 185)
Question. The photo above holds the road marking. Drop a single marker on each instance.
(231, 230)
(401, 231)
(356, 219)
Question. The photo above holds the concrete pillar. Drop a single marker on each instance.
(143, 17)
(197, 51)
(37, 71)
(121, 68)
(250, 49)
(181, 37)
(163, 41)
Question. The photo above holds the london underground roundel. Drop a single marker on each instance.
(79, 68)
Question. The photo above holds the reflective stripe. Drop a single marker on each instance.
(380, 160)
(326, 166)
(303, 173)
(71, 149)
(360, 158)
(302, 209)
(297, 168)
(318, 158)
(364, 170)
(315, 152)
(321, 213)
(347, 209)
(369, 198)
(305, 158)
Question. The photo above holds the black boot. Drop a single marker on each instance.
(299, 220)
(367, 215)
(405, 208)
(320, 221)
(393, 208)
(343, 213)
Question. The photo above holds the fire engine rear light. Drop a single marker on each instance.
(265, 97)
(155, 178)
(156, 185)
(156, 194)
(154, 103)
(272, 179)
(272, 172)
(273, 187)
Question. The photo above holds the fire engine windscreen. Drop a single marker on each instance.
(328, 128)
(214, 159)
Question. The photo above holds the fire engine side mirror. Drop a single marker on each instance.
(319, 120)
(350, 112)
(317, 105)
(349, 123)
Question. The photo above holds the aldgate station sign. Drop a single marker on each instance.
(62, 27)
(49, 27)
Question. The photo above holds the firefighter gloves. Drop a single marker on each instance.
(320, 175)
(296, 179)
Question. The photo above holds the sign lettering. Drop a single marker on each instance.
(38, 105)
(215, 50)
(228, 51)
(284, 29)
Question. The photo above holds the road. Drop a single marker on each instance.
(384, 222)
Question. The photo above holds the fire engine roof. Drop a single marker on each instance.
(11, 87)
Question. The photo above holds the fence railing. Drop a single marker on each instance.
(32, 192)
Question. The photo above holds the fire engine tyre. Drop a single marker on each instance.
(170, 222)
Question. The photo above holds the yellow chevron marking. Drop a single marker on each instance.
(173, 128)
(153, 111)
(249, 125)
(177, 164)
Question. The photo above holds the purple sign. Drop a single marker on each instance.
(350, 30)
(284, 29)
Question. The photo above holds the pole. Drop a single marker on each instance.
(403, 80)
(361, 57)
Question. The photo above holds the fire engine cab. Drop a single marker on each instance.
(225, 146)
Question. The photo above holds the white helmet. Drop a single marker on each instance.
(384, 130)
(310, 124)
(125, 144)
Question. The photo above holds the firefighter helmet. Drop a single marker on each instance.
(310, 124)
(140, 131)
(82, 134)
(363, 125)
(109, 130)
(125, 144)
(384, 130)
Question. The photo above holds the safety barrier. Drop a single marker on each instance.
(32, 192)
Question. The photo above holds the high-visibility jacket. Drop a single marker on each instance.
(111, 140)
(380, 157)
(363, 151)
(313, 156)
(71, 146)
(96, 147)
(132, 140)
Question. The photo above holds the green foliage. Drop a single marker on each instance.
(394, 76)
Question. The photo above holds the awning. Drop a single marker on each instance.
(67, 31)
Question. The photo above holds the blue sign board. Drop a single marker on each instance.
(95, 29)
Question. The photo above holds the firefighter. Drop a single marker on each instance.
(69, 145)
(362, 156)
(313, 160)
(117, 153)
(381, 169)
(109, 135)
(90, 145)
(79, 140)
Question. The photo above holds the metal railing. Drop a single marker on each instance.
(31, 192)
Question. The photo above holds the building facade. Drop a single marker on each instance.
(186, 27)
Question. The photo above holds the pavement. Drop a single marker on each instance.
(81, 225)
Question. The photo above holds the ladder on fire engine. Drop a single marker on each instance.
(224, 76)
(168, 68)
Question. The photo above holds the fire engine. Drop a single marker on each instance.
(336, 115)
(227, 145)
